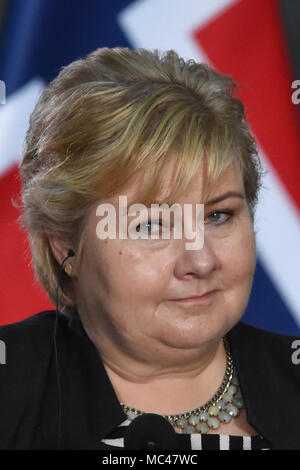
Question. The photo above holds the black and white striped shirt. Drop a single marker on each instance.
(115, 441)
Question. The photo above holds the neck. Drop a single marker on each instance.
(159, 379)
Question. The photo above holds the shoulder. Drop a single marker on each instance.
(270, 349)
(242, 332)
(38, 320)
(30, 331)
(268, 367)
(27, 382)
(27, 344)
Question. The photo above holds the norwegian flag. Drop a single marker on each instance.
(242, 38)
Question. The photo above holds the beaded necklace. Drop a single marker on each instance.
(223, 406)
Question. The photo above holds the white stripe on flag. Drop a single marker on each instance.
(14, 120)
(278, 234)
(157, 24)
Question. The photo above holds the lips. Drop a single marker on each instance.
(196, 297)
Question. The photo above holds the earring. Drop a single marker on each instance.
(68, 268)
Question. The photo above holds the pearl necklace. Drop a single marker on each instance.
(223, 406)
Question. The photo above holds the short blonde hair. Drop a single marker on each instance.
(111, 114)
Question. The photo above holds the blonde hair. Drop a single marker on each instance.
(111, 114)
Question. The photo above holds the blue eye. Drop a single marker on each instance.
(217, 221)
(148, 224)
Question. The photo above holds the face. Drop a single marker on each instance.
(129, 290)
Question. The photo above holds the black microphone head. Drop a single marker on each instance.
(71, 253)
(150, 431)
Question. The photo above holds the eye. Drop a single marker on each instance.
(216, 217)
(144, 227)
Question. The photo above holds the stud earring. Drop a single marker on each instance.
(68, 268)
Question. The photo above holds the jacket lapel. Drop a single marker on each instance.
(93, 403)
(268, 385)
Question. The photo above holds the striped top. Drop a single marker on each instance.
(115, 441)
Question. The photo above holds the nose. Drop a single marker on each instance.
(199, 263)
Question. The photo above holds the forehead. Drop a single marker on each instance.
(229, 180)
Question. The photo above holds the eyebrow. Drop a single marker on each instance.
(226, 196)
(212, 201)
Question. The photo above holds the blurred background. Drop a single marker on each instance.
(254, 41)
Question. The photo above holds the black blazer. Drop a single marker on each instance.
(30, 417)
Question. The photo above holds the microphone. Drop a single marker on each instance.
(71, 253)
(150, 431)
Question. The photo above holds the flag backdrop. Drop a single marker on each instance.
(243, 38)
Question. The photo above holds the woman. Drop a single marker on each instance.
(148, 351)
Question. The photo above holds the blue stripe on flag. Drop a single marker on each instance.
(40, 36)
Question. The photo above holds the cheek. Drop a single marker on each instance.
(238, 257)
(134, 271)
(237, 266)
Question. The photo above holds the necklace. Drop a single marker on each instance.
(221, 408)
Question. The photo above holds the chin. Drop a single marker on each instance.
(193, 337)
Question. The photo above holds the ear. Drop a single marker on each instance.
(59, 247)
